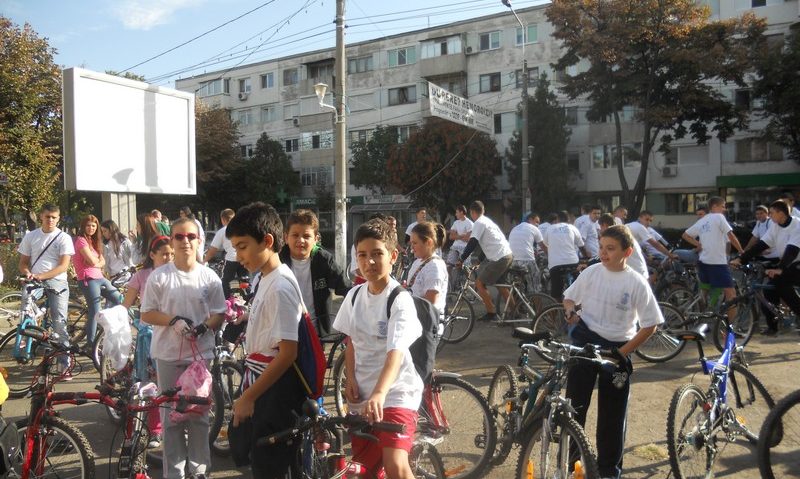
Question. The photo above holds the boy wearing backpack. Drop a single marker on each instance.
(382, 381)
(272, 384)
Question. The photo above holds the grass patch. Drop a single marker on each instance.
(651, 452)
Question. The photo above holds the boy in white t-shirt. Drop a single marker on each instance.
(615, 301)
(183, 300)
(382, 383)
(272, 390)
(564, 248)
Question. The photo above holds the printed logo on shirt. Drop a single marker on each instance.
(623, 302)
(383, 329)
(321, 283)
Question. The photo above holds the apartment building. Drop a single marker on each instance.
(481, 59)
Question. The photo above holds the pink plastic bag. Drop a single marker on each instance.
(194, 381)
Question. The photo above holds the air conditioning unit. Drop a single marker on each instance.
(296, 121)
(669, 170)
(469, 50)
(243, 96)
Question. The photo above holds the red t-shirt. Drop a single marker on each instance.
(83, 270)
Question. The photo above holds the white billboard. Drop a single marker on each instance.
(460, 110)
(125, 136)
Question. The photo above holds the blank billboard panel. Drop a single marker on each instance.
(126, 136)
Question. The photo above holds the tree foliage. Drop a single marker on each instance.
(270, 176)
(548, 177)
(778, 86)
(219, 163)
(468, 160)
(665, 59)
(30, 120)
(128, 75)
(369, 160)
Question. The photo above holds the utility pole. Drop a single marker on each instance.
(526, 197)
(340, 145)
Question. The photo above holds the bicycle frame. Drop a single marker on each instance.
(30, 314)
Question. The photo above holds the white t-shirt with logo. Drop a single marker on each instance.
(712, 231)
(461, 227)
(37, 240)
(614, 302)
(522, 240)
(492, 240)
(196, 294)
(373, 336)
(563, 244)
(779, 238)
(432, 276)
(275, 312)
(302, 272)
(222, 243)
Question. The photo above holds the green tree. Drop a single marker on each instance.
(663, 58)
(369, 160)
(778, 86)
(548, 133)
(128, 75)
(30, 121)
(468, 161)
(270, 175)
(219, 163)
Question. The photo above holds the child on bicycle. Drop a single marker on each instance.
(183, 300)
(382, 382)
(272, 387)
(614, 299)
(427, 277)
(315, 269)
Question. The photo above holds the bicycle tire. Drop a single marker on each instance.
(20, 375)
(339, 383)
(70, 453)
(751, 400)
(216, 415)
(539, 301)
(425, 462)
(76, 322)
(504, 386)
(552, 319)
(468, 444)
(9, 308)
(778, 449)
(662, 345)
(682, 298)
(687, 409)
(137, 449)
(459, 322)
(567, 429)
(746, 316)
(231, 376)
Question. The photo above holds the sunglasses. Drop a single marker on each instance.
(182, 236)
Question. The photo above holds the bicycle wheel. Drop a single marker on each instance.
(556, 455)
(459, 321)
(20, 375)
(59, 450)
(339, 383)
(460, 417)
(662, 345)
(750, 401)
(743, 325)
(216, 415)
(691, 448)
(779, 439)
(9, 310)
(552, 320)
(502, 388)
(682, 298)
(425, 461)
(76, 322)
(230, 380)
(539, 301)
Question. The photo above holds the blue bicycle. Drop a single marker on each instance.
(702, 425)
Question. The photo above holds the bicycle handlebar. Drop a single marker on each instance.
(543, 341)
(354, 421)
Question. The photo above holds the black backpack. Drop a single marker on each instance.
(423, 350)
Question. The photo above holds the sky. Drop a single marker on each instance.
(124, 35)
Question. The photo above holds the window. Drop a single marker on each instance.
(316, 176)
(742, 100)
(360, 64)
(403, 132)
(683, 203)
(532, 34)
(292, 144)
(753, 149)
(605, 156)
(403, 95)
(533, 77)
(247, 151)
(402, 56)
(320, 70)
(316, 140)
(490, 82)
(269, 113)
(215, 87)
(441, 47)
(573, 162)
(360, 136)
(290, 77)
(759, 3)
(245, 86)
(687, 155)
(489, 41)
(291, 111)
(244, 117)
(268, 80)
(564, 73)
(571, 115)
(498, 123)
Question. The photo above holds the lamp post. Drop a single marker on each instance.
(526, 197)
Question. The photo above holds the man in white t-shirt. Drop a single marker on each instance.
(498, 255)
(589, 230)
(584, 217)
(763, 222)
(620, 215)
(44, 255)
(459, 232)
(422, 215)
(231, 269)
(788, 198)
(523, 240)
(636, 259)
(642, 235)
(564, 249)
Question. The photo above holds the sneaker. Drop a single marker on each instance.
(155, 442)
(488, 317)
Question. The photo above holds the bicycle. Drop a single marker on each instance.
(701, 424)
(778, 448)
(537, 417)
(321, 452)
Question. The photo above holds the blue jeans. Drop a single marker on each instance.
(94, 290)
(57, 291)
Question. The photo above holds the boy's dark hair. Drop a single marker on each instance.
(563, 216)
(595, 207)
(461, 208)
(227, 214)
(715, 201)
(701, 207)
(645, 213)
(379, 230)
(477, 206)
(620, 233)
(257, 220)
(430, 230)
(552, 217)
(187, 211)
(780, 205)
(303, 217)
(531, 216)
(422, 208)
(50, 207)
(606, 219)
(378, 215)
(181, 221)
(619, 208)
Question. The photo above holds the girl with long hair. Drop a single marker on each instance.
(428, 274)
(118, 249)
(146, 230)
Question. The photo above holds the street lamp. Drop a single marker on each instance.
(526, 200)
(320, 89)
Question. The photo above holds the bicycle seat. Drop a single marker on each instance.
(696, 334)
(527, 335)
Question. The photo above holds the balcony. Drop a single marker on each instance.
(443, 65)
